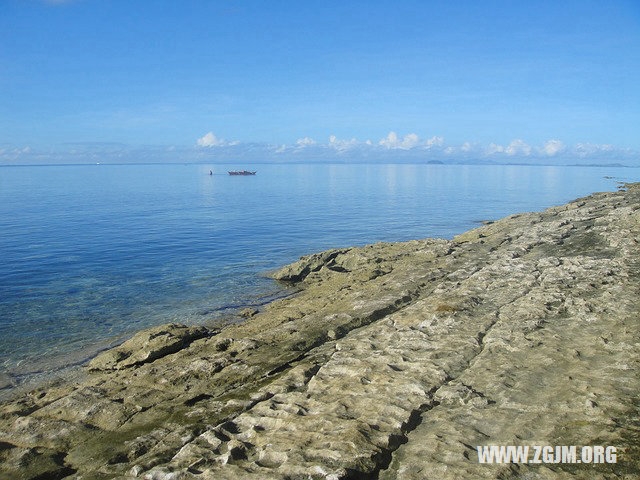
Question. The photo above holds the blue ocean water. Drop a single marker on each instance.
(91, 253)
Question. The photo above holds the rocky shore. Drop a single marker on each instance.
(393, 362)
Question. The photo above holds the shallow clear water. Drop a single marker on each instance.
(91, 253)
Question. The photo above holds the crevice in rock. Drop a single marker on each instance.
(171, 349)
(384, 457)
(478, 393)
(322, 260)
(198, 398)
(337, 268)
(6, 446)
(286, 365)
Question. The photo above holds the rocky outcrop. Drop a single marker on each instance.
(394, 362)
(147, 346)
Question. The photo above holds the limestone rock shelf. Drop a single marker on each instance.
(394, 361)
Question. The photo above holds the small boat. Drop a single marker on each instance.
(242, 172)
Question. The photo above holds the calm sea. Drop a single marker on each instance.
(89, 254)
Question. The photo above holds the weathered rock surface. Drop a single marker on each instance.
(147, 346)
(393, 362)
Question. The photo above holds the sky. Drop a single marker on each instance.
(159, 80)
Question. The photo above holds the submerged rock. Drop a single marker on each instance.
(394, 361)
(6, 381)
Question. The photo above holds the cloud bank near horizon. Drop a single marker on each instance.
(411, 146)
(393, 147)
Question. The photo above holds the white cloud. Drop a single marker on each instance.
(589, 149)
(306, 141)
(19, 150)
(210, 140)
(552, 147)
(466, 149)
(342, 145)
(392, 141)
(435, 141)
(410, 141)
(518, 147)
(494, 148)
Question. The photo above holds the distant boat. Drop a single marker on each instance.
(242, 172)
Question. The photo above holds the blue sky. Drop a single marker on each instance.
(491, 80)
